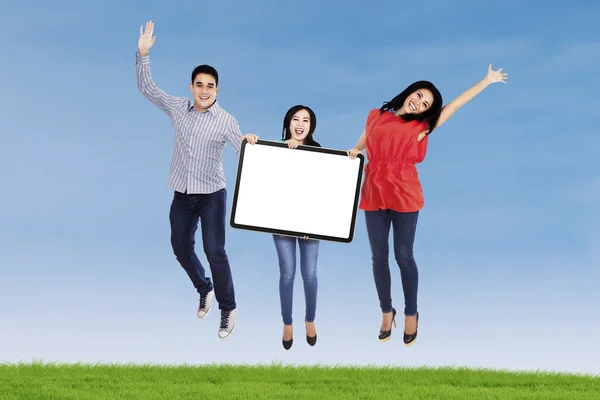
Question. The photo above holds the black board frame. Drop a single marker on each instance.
(343, 153)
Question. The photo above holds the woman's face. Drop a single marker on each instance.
(300, 125)
(418, 102)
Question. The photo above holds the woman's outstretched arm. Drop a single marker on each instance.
(467, 95)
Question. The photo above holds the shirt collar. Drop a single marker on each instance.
(214, 109)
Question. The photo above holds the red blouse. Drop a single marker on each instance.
(391, 178)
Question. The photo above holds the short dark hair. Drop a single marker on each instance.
(430, 116)
(286, 134)
(206, 69)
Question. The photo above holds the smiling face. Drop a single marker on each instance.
(418, 102)
(204, 89)
(300, 125)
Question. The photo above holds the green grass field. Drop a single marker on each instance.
(42, 381)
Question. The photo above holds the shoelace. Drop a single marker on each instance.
(224, 319)
(203, 301)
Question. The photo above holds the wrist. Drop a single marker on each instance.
(143, 53)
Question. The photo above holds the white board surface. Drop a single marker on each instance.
(307, 191)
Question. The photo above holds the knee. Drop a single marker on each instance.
(287, 271)
(405, 257)
(181, 249)
(286, 277)
(310, 273)
(379, 257)
(379, 252)
(214, 253)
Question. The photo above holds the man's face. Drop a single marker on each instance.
(204, 89)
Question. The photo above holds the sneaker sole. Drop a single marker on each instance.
(229, 334)
(205, 315)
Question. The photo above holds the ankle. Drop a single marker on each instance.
(310, 327)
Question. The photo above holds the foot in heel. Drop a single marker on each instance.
(384, 335)
(410, 339)
(287, 333)
(311, 333)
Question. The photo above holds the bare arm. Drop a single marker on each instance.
(449, 109)
(361, 144)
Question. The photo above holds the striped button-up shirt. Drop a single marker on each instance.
(200, 137)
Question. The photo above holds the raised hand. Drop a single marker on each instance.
(495, 76)
(146, 39)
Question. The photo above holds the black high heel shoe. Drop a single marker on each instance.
(384, 336)
(287, 344)
(410, 339)
(312, 340)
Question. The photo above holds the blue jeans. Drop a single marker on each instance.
(209, 209)
(286, 251)
(378, 230)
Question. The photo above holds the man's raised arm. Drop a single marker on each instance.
(146, 84)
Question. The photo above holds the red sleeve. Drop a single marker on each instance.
(371, 117)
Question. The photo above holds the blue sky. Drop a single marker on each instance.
(507, 244)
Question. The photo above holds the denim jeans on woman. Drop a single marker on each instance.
(404, 226)
(286, 252)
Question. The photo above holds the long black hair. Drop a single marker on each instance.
(430, 116)
(286, 134)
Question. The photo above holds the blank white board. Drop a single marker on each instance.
(307, 191)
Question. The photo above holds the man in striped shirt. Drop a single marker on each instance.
(202, 128)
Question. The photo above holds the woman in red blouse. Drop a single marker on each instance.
(395, 138)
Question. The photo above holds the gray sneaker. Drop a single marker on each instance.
(227, 323)
(204, 307)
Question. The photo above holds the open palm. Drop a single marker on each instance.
(496, 76)
(146, 39)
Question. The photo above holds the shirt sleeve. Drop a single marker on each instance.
(146, 85)
(234, 135)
